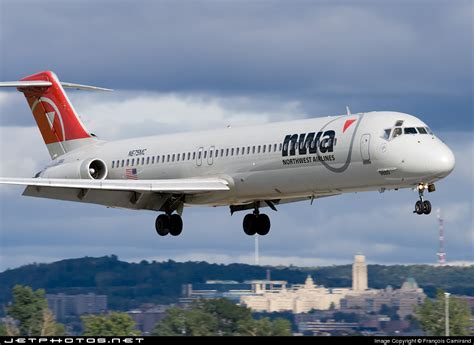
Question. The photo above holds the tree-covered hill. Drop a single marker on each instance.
(131, 284)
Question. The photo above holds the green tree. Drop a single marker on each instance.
(264, 327)
(3, 330)
(281, 327)
(431, 315)
(50, 327)
(193, 322)
(113, 324)
(226, 313)
(30, 309)
(218, 317)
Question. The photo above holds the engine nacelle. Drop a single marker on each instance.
(94, 169)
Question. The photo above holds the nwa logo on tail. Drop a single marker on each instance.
(45, 109)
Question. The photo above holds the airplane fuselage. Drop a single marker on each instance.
(243, 168)
(283, 160)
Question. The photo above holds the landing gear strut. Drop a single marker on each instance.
(423, 206)
(256, 223)
(169, 224)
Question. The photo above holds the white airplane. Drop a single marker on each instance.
(244, 168)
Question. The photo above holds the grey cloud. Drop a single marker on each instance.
(405, 55)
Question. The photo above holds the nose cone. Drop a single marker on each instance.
(443, 163)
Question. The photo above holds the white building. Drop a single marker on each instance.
(359, 274)
(298, 298)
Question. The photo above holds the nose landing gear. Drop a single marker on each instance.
(423, 206)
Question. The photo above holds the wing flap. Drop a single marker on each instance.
(186, 185)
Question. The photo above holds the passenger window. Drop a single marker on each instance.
(253, 149)
(147, 160)
(237, 151)
(274, 147)
(168, 158)
(205, 154)
(410, 130)
(123, 163)
(113, 164)
(138, 161)
(264, 148)
(280, 147)
(199, 155)
(189, 156)
(258, 149)
(396, 132)
(133, 161)
(143, 160)
(217, 153)
(172, 158)
(163, 159)
(248, 150)
(128, 162)
(227, 152)
(422, 130)
(157, 159)
(210, 154)
(232, 151)
(177, 157)
(153, 160)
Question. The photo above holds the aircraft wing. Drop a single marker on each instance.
(130, 194)
(185, 185)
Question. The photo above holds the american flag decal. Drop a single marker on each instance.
(131, 174)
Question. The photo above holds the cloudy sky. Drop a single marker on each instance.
(187, 65)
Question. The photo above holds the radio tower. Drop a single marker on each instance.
(441, 253)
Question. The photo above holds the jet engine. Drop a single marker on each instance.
(94, 169)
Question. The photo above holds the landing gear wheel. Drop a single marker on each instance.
(426, 207)
(176, 225)
(263, 224)
(162, 225)
(419, 207)
(249, 224)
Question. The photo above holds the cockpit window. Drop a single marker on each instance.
(429, 130)
(410, 130)
(396, 132)
(386, 134)
(399, 123)
(422, 130)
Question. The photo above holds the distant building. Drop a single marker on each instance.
(405, 299)
(147, 317)
(276, 296)
(329, 327)
(63, 306)
(359, 274)
(229, 289)
(297, 299)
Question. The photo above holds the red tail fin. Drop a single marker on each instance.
(52, 110)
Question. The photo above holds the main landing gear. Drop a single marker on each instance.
(256, 223)
(423, 206)
(169, 224)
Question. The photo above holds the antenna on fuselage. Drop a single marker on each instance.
(348, 111)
